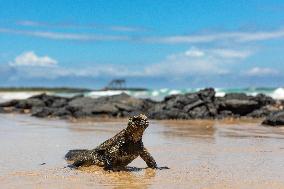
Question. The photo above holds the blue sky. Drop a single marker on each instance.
(153, 44)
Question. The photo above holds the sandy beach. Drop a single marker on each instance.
(200, 154)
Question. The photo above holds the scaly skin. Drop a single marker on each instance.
(118, 151)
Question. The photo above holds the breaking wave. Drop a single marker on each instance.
(156, 94)
(159, 94)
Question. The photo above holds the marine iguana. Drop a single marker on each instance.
(118, 151)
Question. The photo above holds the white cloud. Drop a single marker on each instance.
(192, 62)
(257, 71)
(72, 25)
(230, 53)
(30, 65)
(125, 29)
(234, 36)
(66, 36)
(101, 70)
(31, 59)
(29, 23)
(34, 71)
(194, 52)
(219, 36)
(197, 62)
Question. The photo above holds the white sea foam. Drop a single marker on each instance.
(6, 96)
(220, 94)
(156, 94)
(159, 94)
(165, 90)
(173, 92)
(278, 93)
(140, 94)
(96, 94)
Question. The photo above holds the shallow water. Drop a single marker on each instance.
(200, 154)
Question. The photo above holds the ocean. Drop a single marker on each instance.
(154, 94)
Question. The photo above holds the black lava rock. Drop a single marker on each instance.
(275, 119)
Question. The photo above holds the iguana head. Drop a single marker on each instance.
(136, 126)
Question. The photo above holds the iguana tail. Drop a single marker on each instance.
(73, 155)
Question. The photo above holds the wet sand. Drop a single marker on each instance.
(200, 154)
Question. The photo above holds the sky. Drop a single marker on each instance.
(152, 44)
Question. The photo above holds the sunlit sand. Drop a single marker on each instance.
(200, 154)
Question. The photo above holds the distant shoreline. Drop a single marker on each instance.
(64, 89)
(44, 89)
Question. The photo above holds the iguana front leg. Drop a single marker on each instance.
(107, 163)
(146, 156)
